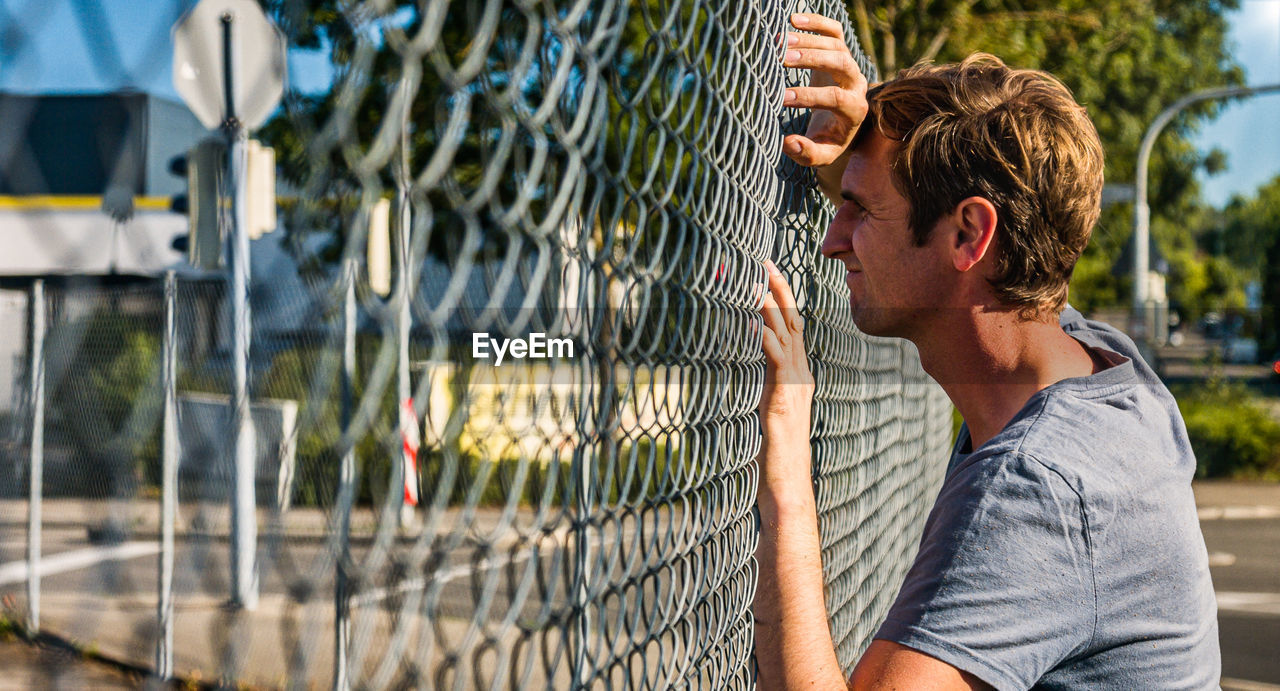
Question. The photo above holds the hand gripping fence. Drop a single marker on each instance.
(602, 179)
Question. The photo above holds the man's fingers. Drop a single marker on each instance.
(818, 24)
(773, 349)
(824, 97)
(807, 152)
(797, 41)
(786, 302)
(839, 63)
(774, 321)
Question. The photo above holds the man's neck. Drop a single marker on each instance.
(991, 363)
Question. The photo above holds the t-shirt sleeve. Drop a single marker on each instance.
(1003, 584)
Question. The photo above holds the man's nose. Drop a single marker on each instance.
(837, 238)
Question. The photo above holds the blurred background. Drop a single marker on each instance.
(99, 200)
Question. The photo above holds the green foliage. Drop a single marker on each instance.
(296, 374)
(1269, 331)
(1250, 226)
(1250, 238)
(119, 380)
(1232, 431)
(327, 161)
(1125, 61)
(1200, 281)
(637, 470)
(107, 403)
(1093, 286)
(10, 628)
(488, 482)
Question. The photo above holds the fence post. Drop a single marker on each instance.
(404, 316)
(582, 567)
(169, 483)
(34, 503)
(346, 489)
(244, 505)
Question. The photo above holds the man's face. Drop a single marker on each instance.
(893, 284)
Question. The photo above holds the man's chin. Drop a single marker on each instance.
(874, 322)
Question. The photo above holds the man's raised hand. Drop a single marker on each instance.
(837, 93)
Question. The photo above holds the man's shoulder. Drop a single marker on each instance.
(1099, 334)
(1004, 479)
(1054, 431)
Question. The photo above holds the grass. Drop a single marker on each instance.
(1234, 430)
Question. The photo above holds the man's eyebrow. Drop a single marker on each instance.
(849, 196)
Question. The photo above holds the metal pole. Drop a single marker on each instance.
(244, 519)
(582, 564)
(403, 315)
(1141, 211)
(346, 490)
(169, 483)
(34, 499)
(601, 454)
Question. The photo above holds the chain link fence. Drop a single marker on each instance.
(607, 175)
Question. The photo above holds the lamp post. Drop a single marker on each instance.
(1141, 211)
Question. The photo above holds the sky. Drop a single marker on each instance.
(46, 47)
(1248, 130)
(69, 46)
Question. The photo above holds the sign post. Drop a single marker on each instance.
(228, 65)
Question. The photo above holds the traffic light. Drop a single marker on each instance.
(179, 203)
(205, 163)
(202, 166)
(207, 198)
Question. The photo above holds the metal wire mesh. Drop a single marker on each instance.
(607, 172)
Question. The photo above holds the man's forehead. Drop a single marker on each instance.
(868, 172)
(876, 148)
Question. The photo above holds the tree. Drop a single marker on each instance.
(1250, 238)
(1125, 61)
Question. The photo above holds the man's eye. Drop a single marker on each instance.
(855, 209)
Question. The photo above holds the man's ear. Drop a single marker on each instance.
(975, 220)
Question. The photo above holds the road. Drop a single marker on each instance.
(105, 594)
(1244, 540)
(1245, 563)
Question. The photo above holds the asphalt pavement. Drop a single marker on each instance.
(102, 597)
(1241, 525)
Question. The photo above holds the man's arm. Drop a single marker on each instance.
(889, 665)
(793, 642)
(794, 649)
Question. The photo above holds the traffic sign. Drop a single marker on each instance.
(218, 33)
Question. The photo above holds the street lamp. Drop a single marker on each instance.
(1141, 211)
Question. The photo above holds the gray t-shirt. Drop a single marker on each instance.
(1066, 552)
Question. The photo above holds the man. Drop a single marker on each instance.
(1063, 550)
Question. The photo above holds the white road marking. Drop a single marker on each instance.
(1249, 603)
(376, 595)
(1230, 513)
(1229, 684)
(1221, 559)
(16, 571)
